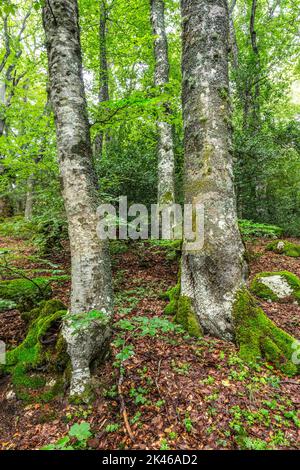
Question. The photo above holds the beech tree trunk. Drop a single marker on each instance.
(165, 149)
(91, 277)
(211, 275)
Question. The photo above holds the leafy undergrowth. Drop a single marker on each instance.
(161, 388)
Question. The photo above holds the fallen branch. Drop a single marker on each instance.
(123, 409)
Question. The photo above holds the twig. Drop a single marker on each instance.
(123, 409)
(158, 389)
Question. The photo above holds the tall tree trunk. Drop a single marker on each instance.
(103, 74)
(3, 104)
(165, 148)
(91, 278)
(6, 209)
(213, 291)
(212, 275)
(256, 75)
(29, 198)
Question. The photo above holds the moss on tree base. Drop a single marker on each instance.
(42, 349)
(181, 308)
(257, 336)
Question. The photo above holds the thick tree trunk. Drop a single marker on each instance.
(103, 75)
(212, 275)
(91, 278)
(165, 149)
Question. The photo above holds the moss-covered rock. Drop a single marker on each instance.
(257, 336)
(276, 286)
(25, 293)
(285, 248)
(43, 348)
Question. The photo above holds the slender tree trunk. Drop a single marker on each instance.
(165, 148)
(6, 209)
(212, 275)
(256, 75)
(103, 75)
(29, 198)
(91, 278)
(3, 104)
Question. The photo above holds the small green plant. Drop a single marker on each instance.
(188, 423)
(76, 439)
(182, 368)
(113, 427)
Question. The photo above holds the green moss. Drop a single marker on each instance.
(173, 296)
(288, 248)
(24, 292)
(23, 361)
(257, 336)
(44, 309)
(187, 317)
(181, 308)
(262, 291)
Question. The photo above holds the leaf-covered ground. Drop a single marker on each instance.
(178, 392)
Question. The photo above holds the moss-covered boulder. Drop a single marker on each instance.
(25, 293)
(257, 336)
(284, 247)
(276, 286)
(181, 308)
(43, 349)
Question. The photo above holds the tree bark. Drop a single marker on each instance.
(91, 276)
(212, 275)
(29, 198)
(165, 148)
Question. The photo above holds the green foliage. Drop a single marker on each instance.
(75, 440)
(79, 321)
(145, 326)
(251, 229)
(7, 305)
(16, 227)
(25, 292)
(49, 233)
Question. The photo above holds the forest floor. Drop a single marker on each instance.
(179, 392)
